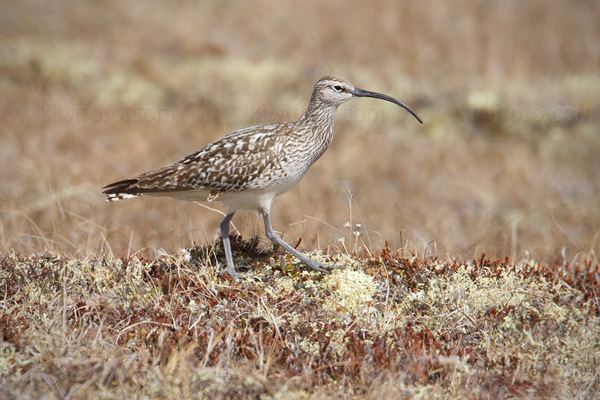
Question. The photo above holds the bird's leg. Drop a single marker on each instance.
(227, 246)
(274, 237)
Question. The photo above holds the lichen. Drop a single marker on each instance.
(352, 290)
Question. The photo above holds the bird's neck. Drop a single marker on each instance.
(320, 117)
(318, 121)
(320, 111)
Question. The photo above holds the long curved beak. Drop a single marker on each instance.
(365, 93)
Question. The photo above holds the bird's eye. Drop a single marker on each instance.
(337, 88)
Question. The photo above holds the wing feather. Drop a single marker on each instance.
(238, 161)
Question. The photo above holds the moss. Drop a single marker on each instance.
(172, 324)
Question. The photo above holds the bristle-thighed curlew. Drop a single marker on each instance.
(247, 168)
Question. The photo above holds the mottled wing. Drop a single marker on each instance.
(241, 160)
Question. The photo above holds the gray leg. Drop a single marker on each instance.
(227, 246)
(274, 237)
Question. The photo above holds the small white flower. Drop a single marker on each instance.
(185, 253)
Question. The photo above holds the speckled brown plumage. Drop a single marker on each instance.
(249, 167)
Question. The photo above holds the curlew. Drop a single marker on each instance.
(246, 169)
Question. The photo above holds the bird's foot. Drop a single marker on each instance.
(232, 273)
(325, 268)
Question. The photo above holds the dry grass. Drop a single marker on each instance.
(506, 162)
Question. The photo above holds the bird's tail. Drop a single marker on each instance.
(121, 190)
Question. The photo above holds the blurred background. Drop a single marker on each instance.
(506, 162)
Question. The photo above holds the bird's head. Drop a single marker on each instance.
(333, 91)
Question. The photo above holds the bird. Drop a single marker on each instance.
(248, 168)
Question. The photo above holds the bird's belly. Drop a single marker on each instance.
(251, 199)
(259, 195)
